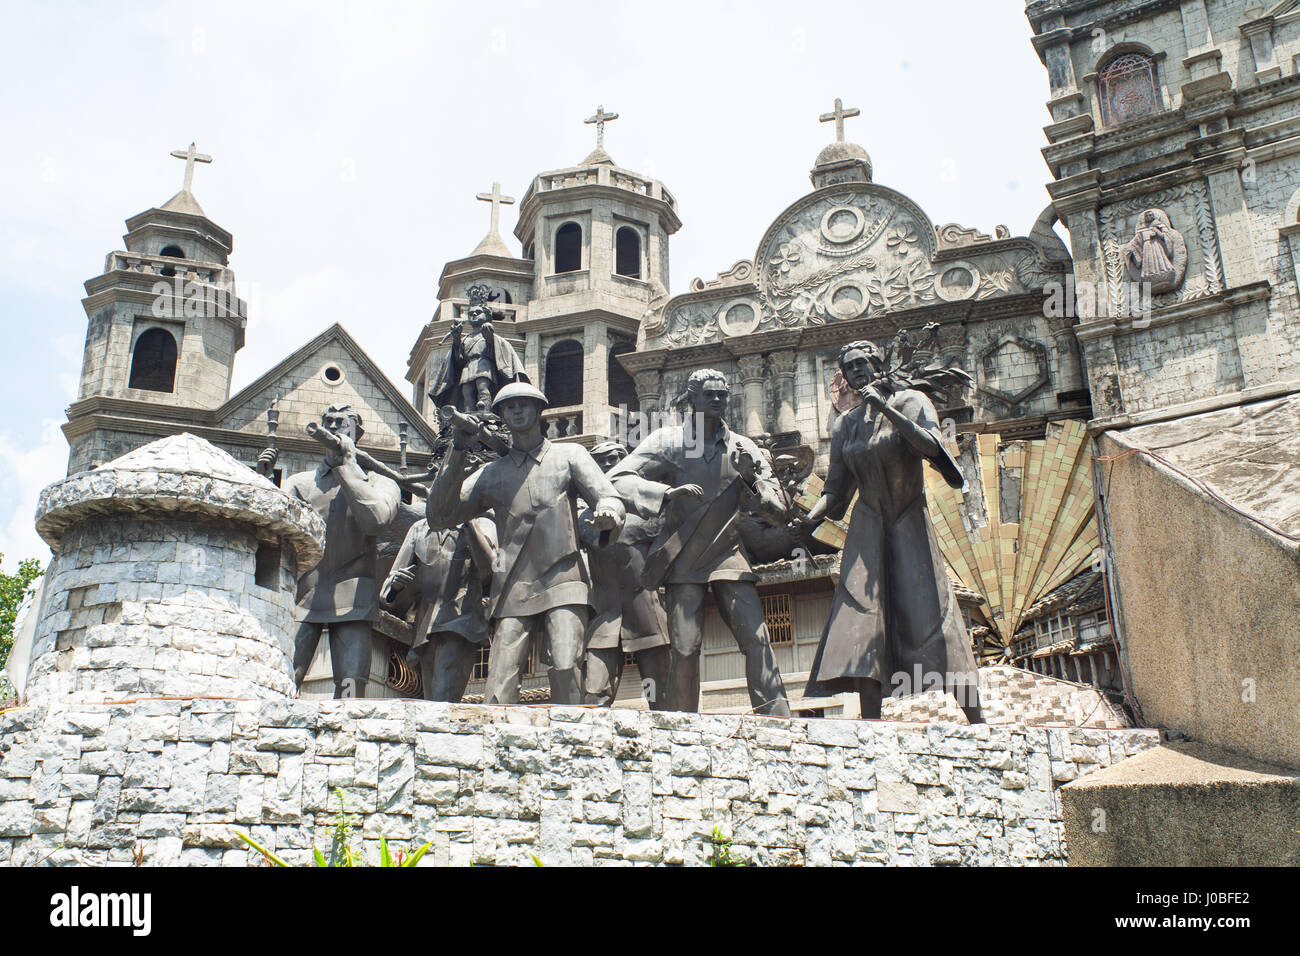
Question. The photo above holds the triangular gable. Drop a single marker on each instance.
(303, 393)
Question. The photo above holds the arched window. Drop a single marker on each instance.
(627, 253)
(622, 389)
(171, 252)
(568, 248)
(564, 374)
(1128, 89)
(153, 364)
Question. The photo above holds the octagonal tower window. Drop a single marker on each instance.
(568, 248)
(153, 361)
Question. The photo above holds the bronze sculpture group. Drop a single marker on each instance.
(597, 555)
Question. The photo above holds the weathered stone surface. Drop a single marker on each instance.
(819, 792)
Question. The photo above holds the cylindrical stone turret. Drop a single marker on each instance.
(173, 575)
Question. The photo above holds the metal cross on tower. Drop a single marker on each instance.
(600, 119)
(497, 200)
(838, 116)
(191, 156)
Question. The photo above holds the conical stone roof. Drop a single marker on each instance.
(181, 475)
(185, 202)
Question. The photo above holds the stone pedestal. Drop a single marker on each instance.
(173, 575)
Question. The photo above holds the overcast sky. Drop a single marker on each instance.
(351, 138)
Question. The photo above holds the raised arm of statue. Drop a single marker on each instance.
(454, 499)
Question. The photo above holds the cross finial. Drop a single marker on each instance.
(191, 156)
(600, 119)
(497, 200)
(838, 116)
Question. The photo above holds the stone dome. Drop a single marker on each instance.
(176, 475)
(842, 152)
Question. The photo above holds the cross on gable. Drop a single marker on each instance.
(838, 116)
(497, 200)
(191, 156)
(600, 119)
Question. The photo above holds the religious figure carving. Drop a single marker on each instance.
(894, 620)
(626, 618)
(539, 582)
(1157, 253)
(479, 364)
(700, 475)
(341, 592)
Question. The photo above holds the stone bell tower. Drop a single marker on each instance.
(163, 328)
(597, 237)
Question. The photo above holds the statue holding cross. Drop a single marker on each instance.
(480, 363)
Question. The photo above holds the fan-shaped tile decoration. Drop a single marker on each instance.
(1025, 524)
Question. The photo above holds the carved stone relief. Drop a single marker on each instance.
(1012, 369)
(845, 254)
(1139, 237)
(854, 251)
(739, 274)
(1157, 253)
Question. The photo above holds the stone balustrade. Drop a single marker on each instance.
(562, 422)
(168, 267)
(601, 176)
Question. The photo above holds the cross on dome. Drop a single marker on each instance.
(838, 116)
(600, 119)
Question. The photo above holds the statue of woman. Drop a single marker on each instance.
(1150, 254)
(894, 620)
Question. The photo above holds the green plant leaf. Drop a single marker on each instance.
(319, 857)
(415, 857)
(261, 849)
(385, 858)
(536, 861)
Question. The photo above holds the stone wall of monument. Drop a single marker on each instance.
(175, 780)
(1209, 605)
(141, 606)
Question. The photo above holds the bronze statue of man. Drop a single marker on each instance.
(540, 585)
(715, 474)
(341, 592)
(894, 621)
(626, 616)
(445, 574)
(480, 363)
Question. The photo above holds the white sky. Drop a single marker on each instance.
(350, 139)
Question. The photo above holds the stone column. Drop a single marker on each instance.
(649, 390)
(952, 347)
(783, 370)
(1069, 363)
(752, 373)
(173, 575)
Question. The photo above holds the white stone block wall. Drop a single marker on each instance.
(162, 607)
(177, 780)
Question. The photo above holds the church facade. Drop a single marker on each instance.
(1172, 152)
